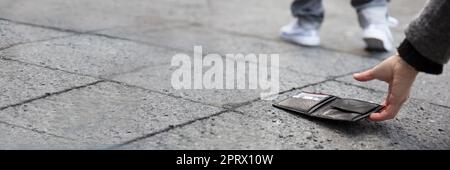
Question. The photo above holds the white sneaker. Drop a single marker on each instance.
(376, 33)
(296, 34)
(378, 38)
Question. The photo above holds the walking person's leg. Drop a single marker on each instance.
(374, 20)
(309, 15)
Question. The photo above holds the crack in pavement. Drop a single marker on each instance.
(189, 24)
(103, 79)
(435, 104)
(134, 70)
(35, 41)
(47, 67)
(231, 109)
(50, 94)
(93, 33)
(137, 41)
(167, 129)
(70, 34)
(35, 130)
(43, 26)
(359, 86)
(47, 27)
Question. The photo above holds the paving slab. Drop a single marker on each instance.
(20, 82)
(12, 33)
(90, 55)
(213, 41)
(419, 126)
(14, 138)
(158, 78)
(80, 16)
(260, 18)
(105, 114)
(304, 60)
(318, 62)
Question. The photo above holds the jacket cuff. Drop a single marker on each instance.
(411, 56)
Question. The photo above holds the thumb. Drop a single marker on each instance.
(364, 76)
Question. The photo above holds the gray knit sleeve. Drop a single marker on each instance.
(430, 32)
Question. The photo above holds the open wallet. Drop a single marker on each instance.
(329, 106)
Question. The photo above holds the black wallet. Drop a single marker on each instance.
(329, 106)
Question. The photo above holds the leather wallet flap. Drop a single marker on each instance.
(353, 105)
(304, 102)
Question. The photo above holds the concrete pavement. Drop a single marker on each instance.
(96, 75)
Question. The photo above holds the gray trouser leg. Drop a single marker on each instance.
(371, 11)
(361, 4)
(310, 13)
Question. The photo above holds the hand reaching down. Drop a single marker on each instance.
(400, 77)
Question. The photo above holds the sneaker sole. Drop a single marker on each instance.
(374, 44)
(310, 43)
